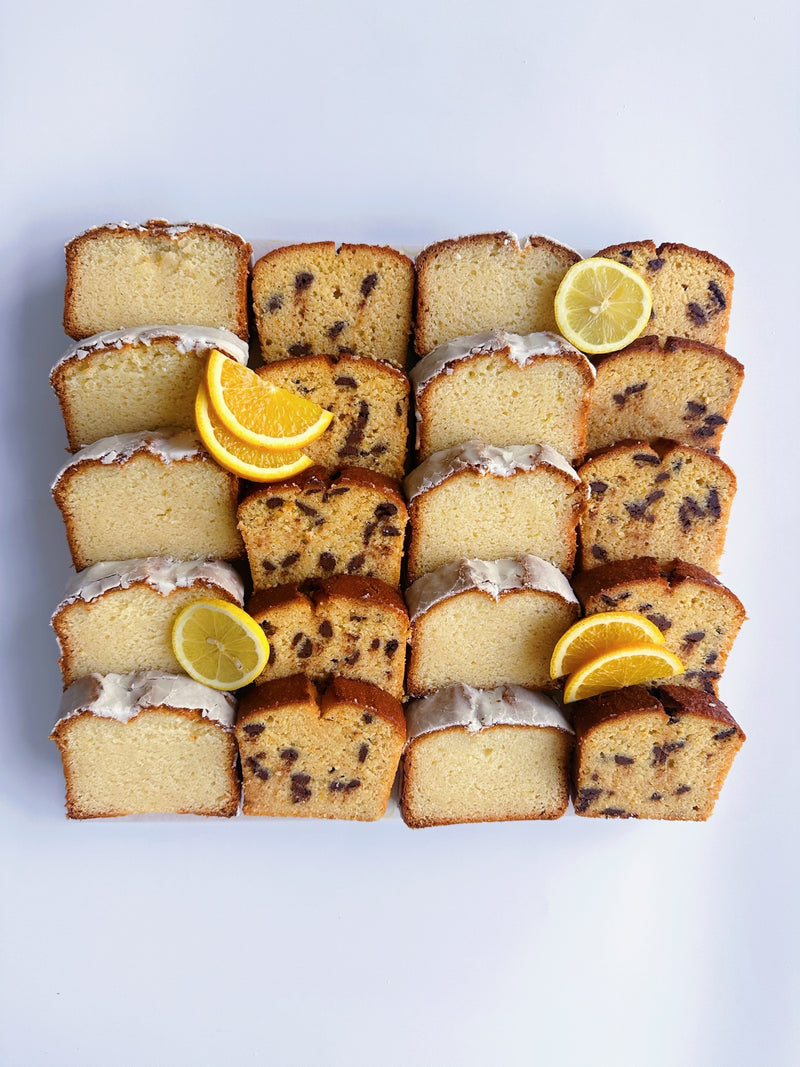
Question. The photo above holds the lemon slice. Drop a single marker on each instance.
(601, 305)
(218, 644)
(258, 412)
(603, 632)
(248, 461)
(620, 667)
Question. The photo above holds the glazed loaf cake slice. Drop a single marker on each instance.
(698, 615)
(319, 524)
(147, 742)
(116, 618)
(487, 623)
(348, 626)
(124, 381)
(504, 389)
(121, 275)
(677, 389)
(691, 289)
(369, 401)
(483, 502)
(485, 282)
(315, 299)
(485, 756)
(148, 494)
(670, 501)
(663, 754)
(332, 755)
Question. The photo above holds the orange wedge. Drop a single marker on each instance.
(596, 634)
(631, 665)
(248, 461)
(258, 412)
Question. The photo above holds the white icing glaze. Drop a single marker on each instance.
(483, 459)
(494, 577)
(168, 445)
(161, 573)
(477, 709)
(518, 348)
(122, 696)
(187, 339)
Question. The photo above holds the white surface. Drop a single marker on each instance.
(579, 942)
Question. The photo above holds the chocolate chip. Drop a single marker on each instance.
(598, 488)
(619, 399)
(694, 409)
(624, 761)
(712, 503)
(302, 281)
(369, 530)
(300, 349)
(275, 303)
(385, 510)
(390, 531)
(660, 752)
(655, 264)
(586, 797)
(655, 796)
(353, 658)
(653, 496)
(336, 786)
(682, 789)
(367, 717)
(711, 658)
(299, 787)
(615, 813)
(598, 552)
(694, 637)
(289, 755)
(326, 628)
(338, 490)
(640, 387)
(398, 409)
(368, 284)
(703, 431)
(275, 502)
(379, 449)
(391, 647)
(253, 729)
(362, 753)
(355, 563)
(715, 420)
(271, 657)
(717, 294)
(305, 649)
(661, 621)
(337, 328)
(354, 783)
(363, 414)
(375, 644)
(696, 314)
(305, 508)
(645, 457)
(662, 476)
(627, 253)
(298, 637)
(291, 559)
(327, 561)
(636, 510)
(268, 567)
(258, 769)
(346, 380)
(723, 735)
(268, 628)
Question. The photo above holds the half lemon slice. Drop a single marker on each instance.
(619, 668)
(219, 644)
(258, 412)
(602, 306)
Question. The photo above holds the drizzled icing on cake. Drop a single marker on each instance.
(123, 696)
(186, 339)
(494, 577)
(483, 459)
(159, 227)
(167, 445)
(161, 573)
(519, 348)
(477, 709)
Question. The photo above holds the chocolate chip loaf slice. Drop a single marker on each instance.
(663, 500)
(663, 754)
(484, 282)
(315, 299)
(691, 289)
(369, 401)
(504, 389)
(698, 615)
(487, 623)
(346, 625)
(149, 741)
(117, 617)
(676, 388)
(328, 755)
(485, 756)
(120, 275)
(480, 501)
(318, 524)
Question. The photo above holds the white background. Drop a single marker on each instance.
(168, 941)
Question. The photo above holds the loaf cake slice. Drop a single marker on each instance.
(485, 756)
(346, 625)
(119, 275)
(652, 755)
(149, 494)
(484, 282)
(677, 389)
(691, 289)
(116, 618)
(332, 755)
(315, 299)
(664, 500)
(486, 623)
(698, 615)
(369, 401)
(147, 742)
(318, 524)
(504, 389)
(124, 381)
(483, 502)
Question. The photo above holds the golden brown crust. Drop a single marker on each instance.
(296, 689)
(367, 696)
(478, 240)
(327, 247)
(608, 576)
(317, 477)
(669, 700)
(317, 591)
(654, 343)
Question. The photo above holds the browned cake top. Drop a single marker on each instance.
(671, 700)
(639, 569)
(367, 696)
(654, 343)
(668, 246)
(296, 689)
(347, 586)
(319, 479)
